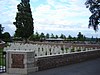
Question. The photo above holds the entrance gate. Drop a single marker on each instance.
(2, 61)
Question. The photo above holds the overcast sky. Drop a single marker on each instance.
(51, 16)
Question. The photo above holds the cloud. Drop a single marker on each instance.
(8, 11)
(62, 16)
(45, 14)
(56, 16)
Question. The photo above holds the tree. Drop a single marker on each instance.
(81, 37)
(74, 38)
(24, 21)
(84, 38)
(94, 7)
(35, 37)
(42, 36)
(52, 35)
(62, 36)
(1, 30)
(6, 37)
(70, 37)
(92, 38)
(47, 35)
(56, 36)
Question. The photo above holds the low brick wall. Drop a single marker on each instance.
(66, 59)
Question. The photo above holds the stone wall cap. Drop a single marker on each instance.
(19, 51)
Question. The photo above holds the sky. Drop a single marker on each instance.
(68, 17)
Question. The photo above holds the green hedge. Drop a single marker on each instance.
(2, 59)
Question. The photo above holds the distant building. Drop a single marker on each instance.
(54, 40)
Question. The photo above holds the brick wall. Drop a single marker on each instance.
(66, 59)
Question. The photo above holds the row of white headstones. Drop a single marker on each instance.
(45, 50)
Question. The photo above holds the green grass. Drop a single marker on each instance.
(2, 59)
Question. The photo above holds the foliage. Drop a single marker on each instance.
(42, 36)
(1, 30)
(66, 49)
(35, 37)
(62, 36)
(1, 49)
(47, 36)
(56, 36)
(72, 50)
(94, 7)
(6, 37)
(74, 38)
(70, 37)
(80, 37)
(2, 60)
(24, 20)
(52, 35)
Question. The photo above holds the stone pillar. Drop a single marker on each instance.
(21, 62)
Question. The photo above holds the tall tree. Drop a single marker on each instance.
(37, 36)
(47, 35)
(1, 30)
(24, 21)
(56, 36)
(80, 37)
(94, 7)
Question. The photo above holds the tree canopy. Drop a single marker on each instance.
(62, 36)
(6, 37)
(94, 7)
(1, 30)
(24, 21)
(81, 37)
